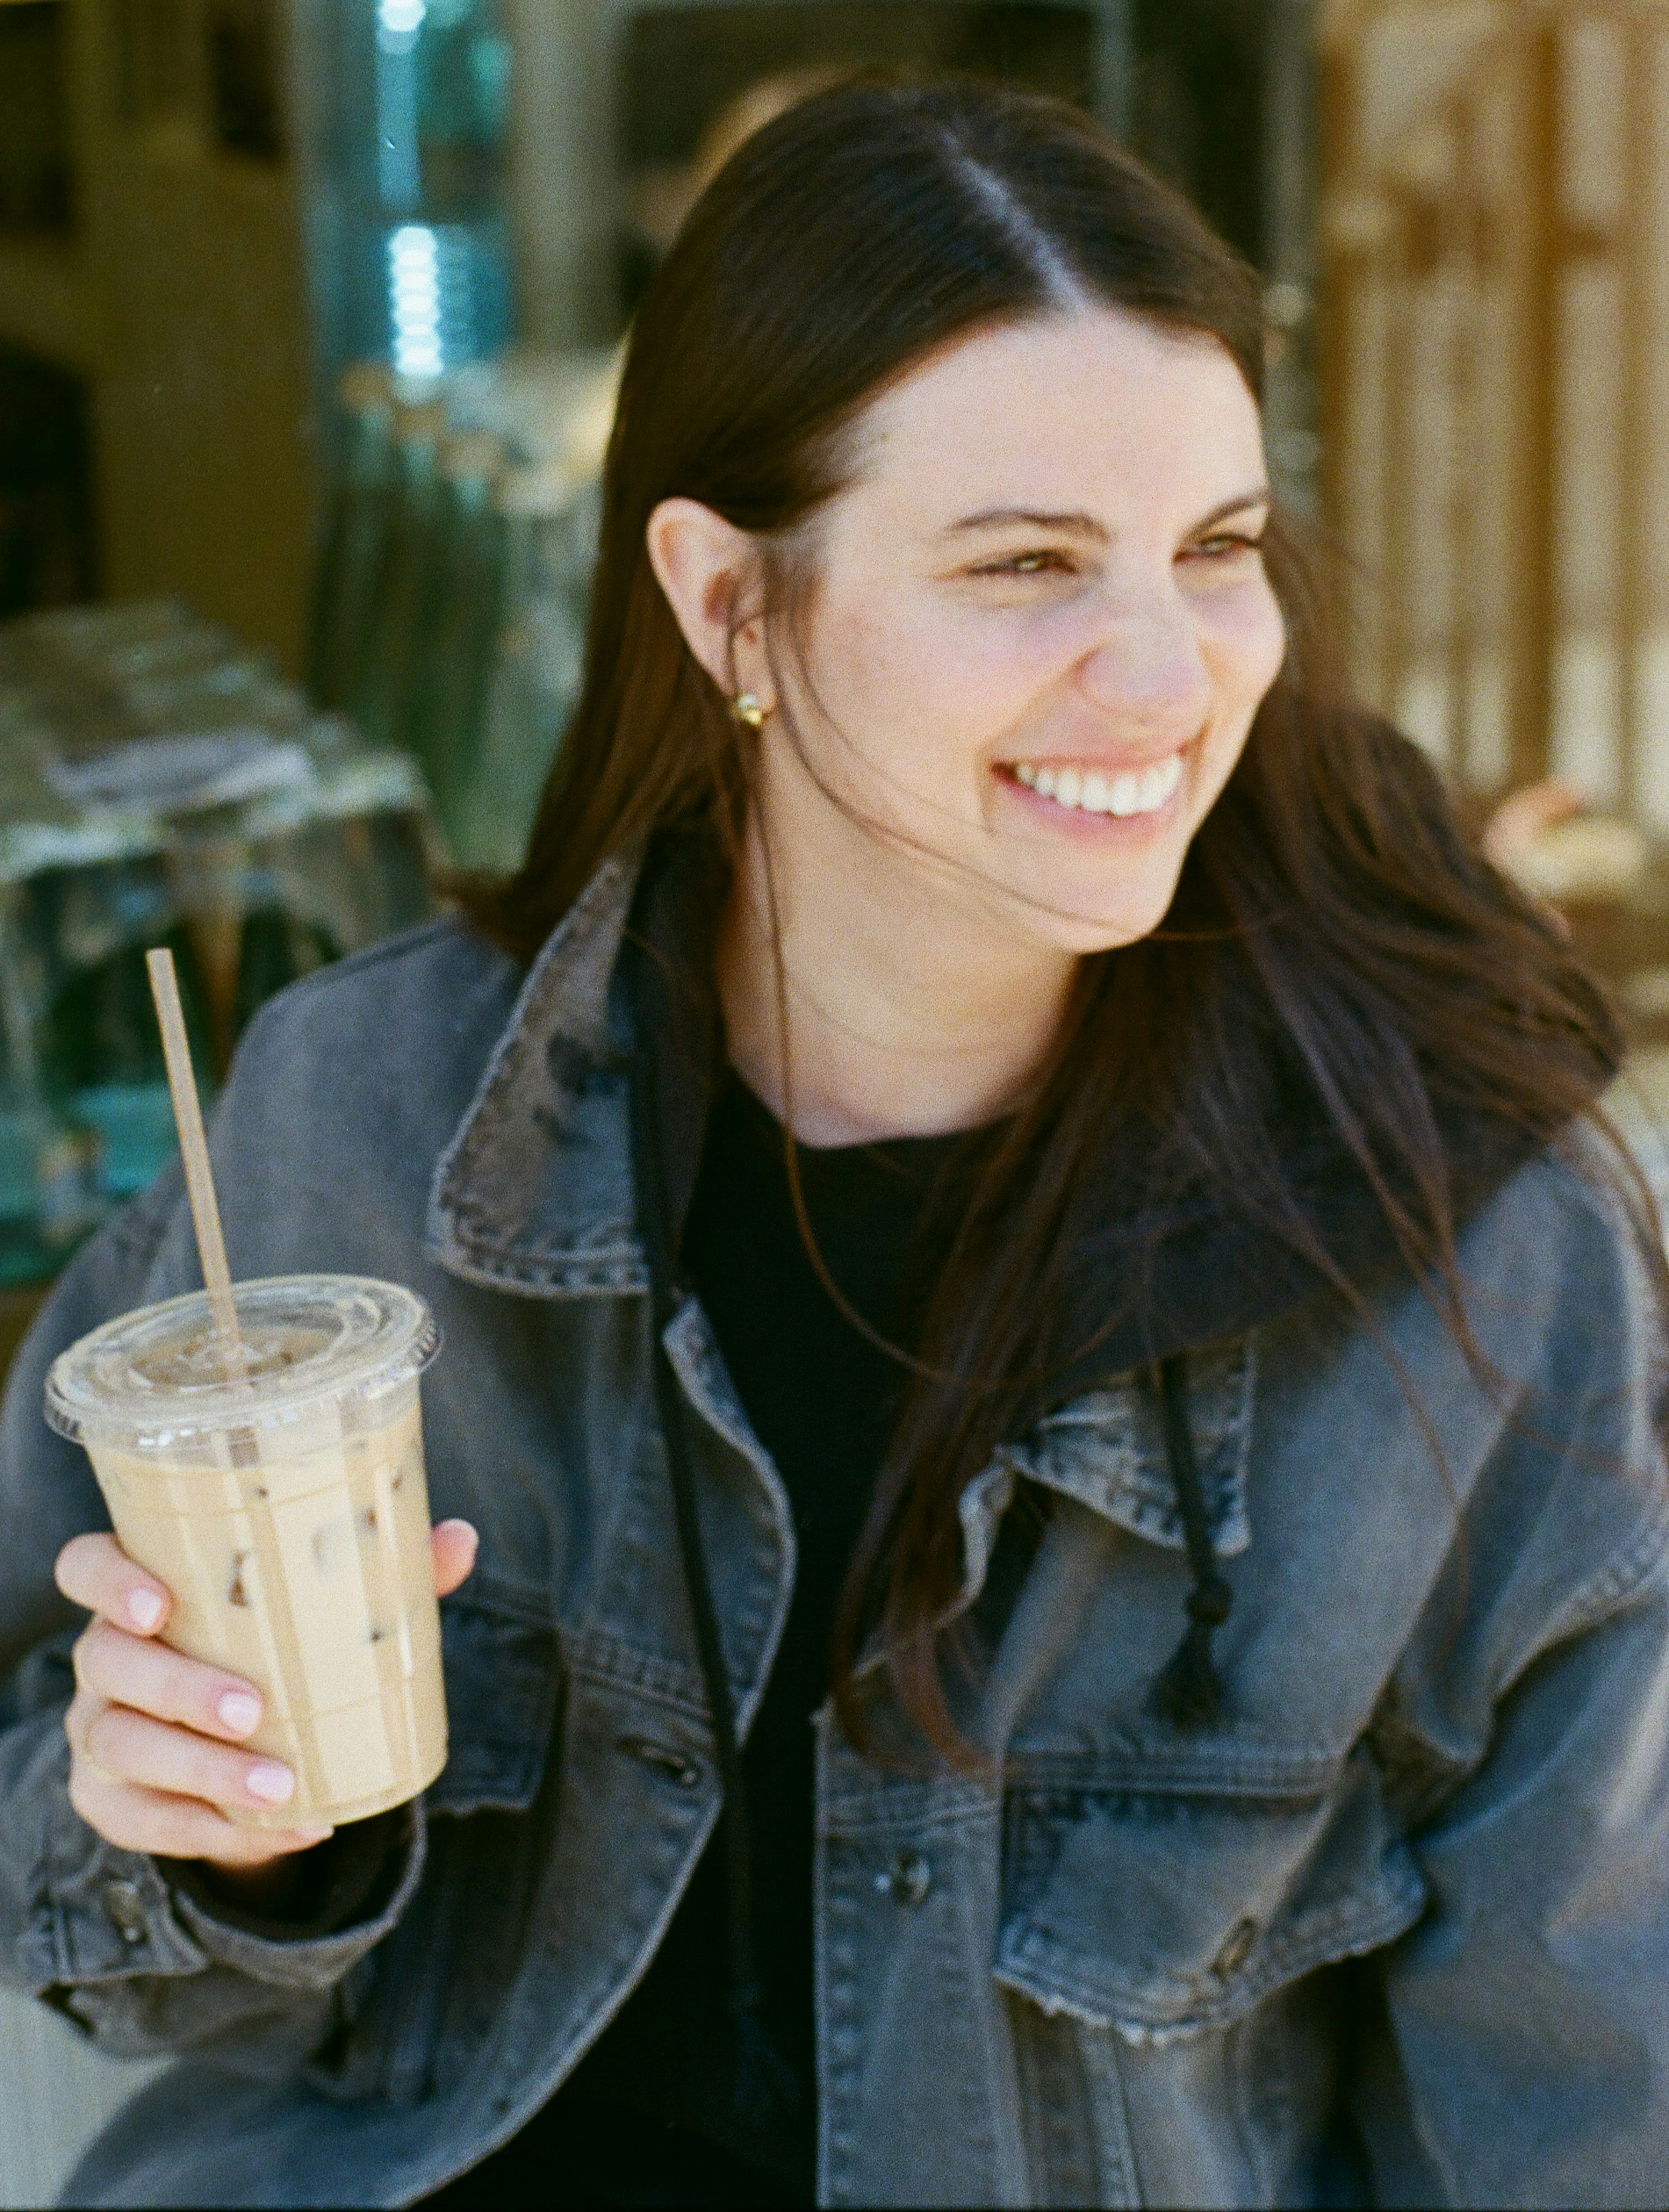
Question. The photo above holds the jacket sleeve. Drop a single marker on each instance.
(136, 1949)
(1517, 2046)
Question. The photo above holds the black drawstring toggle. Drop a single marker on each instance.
(1209, 1602)
(1188, 1692)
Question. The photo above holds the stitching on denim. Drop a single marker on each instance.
(607, 1663)
(936, 1816)
(1280, 1957)
(620, 1278)
(1612, 1584)
(1287, 1776)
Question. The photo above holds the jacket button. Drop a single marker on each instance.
(125, 1909)
(907, 1881)
(662, 1756)
(1241, 1937)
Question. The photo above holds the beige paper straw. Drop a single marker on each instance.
(194, 1152)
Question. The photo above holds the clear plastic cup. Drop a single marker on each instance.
(287, 1513)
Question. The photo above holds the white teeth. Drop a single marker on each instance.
(1134, 791)
(1163, 782)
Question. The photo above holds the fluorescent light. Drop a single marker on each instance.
(414, 297)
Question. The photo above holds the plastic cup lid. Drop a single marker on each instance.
(310, 1340)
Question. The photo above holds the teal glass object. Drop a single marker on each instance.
(131, 1126)
(549, 554)
(353, 553)
(463, 64)
(101, 1055)
(47, 1200)
(384, 688)
(456, 656)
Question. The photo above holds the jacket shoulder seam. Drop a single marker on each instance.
(1616, 1580)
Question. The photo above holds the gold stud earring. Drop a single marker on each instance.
(745, 708)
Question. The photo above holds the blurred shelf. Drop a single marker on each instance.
(182, 149)
(48, 304)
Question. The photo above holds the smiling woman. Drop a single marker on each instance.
(1058, 1383)
(940, 443)
(1029, 657)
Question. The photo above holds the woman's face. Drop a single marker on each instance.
(1040, 625)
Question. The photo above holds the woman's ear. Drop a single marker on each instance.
(707, 568)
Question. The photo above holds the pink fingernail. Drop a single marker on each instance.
(239, 1710)
(272, 1783)
(145, 1609)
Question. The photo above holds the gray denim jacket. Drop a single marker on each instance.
(1394, 1930)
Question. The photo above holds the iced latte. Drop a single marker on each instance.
(284, 1505)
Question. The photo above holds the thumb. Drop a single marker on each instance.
(454, 1543)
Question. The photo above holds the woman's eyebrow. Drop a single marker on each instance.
(1260, 497)
(1079, 524)
(993, 518)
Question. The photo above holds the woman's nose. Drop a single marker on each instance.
(1149, 671)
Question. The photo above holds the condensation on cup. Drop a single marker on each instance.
(287, 1511)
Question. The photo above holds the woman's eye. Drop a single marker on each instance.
(1027, 564)
(1224, 545)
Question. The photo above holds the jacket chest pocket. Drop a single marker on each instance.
(413, 2011)
(1162, 1909)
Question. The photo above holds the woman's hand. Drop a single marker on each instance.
(154, 1735)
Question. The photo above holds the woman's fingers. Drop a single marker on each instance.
(132, 1670)
(152, 1733)
(94, 1572)
(132, 1748)
(454, 1543)
(136, 1819)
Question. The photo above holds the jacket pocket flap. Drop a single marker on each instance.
(1162, 1912)
(502, 1673)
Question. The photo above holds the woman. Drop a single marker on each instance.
(1057, 1390)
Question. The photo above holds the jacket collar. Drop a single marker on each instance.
(533, 1194)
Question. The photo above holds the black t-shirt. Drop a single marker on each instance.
(648, 2116)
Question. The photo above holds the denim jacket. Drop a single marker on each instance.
(1393, 1929)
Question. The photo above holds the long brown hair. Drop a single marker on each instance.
(1337, 958)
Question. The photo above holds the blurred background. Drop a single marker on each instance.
(310, 314)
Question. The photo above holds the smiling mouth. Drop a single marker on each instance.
(1092, 791)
